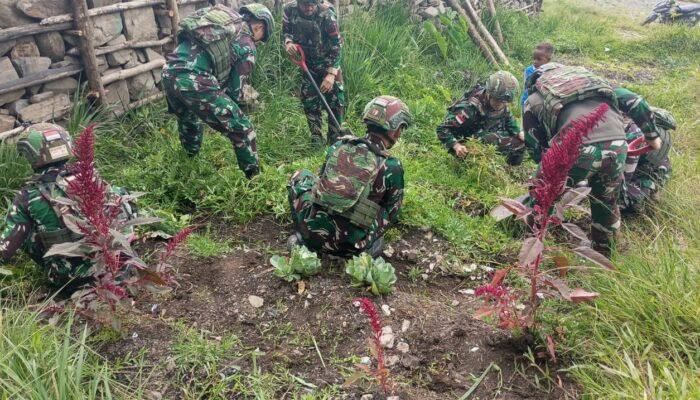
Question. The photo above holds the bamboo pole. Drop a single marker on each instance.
(474, 34)
(125, 45)
(140, 103)
(10, 133)
(114, 8)
(31, 29)
(492, 11)
(183, 2)
(87, 50)
(131, 72)
(485, 33)
(39, 78)
(175, 16)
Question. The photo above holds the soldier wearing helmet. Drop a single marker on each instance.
(483, 113)
(35, 221)
(559, 94)
(313, 26)
(204, 76)
(357, 196)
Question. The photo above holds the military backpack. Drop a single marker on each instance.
(347, 180)
(214, 28)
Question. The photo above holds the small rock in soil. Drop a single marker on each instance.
(405, 325)
(387, 338)
(256, 301)
(474, 349)
(365, 360)
(468, 292)
(402, 347)
(393, 398)
(455, 303)
(391, 361)
(366, 397)
(386, 310)
(409, 361)
(388, 251)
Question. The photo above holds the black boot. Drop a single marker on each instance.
(294, 240)
(377, 248)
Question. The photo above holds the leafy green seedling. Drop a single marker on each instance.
(375, 273)
(301, 263)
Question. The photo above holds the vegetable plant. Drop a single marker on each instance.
(300, 264)
(376, 274)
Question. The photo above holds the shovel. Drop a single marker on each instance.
(301, 63)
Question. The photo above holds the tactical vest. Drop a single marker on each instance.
(214, 29)
(308, 33)
(561, 85)
(664, 122)
(346, 182)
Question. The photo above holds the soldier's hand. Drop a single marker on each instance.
(655, 144)
(291, 48)
(327, 83)
(521, 136)
(460, 150)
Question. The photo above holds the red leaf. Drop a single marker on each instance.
(550, 348)
(532, 247)
(575, 230)
(574, 196)
(499, 276)
(513, 206)
(592, 255)
(560, 285)
(579, 296)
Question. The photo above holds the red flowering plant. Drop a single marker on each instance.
(381, 372)
(551, 199)
(104, 219)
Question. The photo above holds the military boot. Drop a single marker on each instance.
(377, 248)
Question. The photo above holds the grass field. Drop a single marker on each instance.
(640, 339)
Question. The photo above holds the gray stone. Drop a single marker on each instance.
(117, 96)
(140, 24)
(61, 64)
(141, 85)
(141, 56)
(186, 10)
(51, 109)
(430, 12)
(17, 106)
(8, 74)
(44, 8)
(119, 57)
(7, 122)
(6, 46)
(152, 55)
(101, 3)
(38, 98)
(111, 71)
(63, 86)
(387, 337)
(391, 361)
(256, 301)
(11, 16)
(105, 28)
(102, 64)
(403, 347)
(51, 45)
(31, 65)
(157, 75)
(25, 47)
(4, 111)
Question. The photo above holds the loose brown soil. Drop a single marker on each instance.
(448, 349)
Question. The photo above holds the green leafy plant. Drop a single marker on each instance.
(377, 274)
(301, 263)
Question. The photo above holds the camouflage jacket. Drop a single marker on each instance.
(31, 215)
(190, 58)
(386, 191)
(473, 114)
(318, 35)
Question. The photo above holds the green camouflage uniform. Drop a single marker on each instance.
(472, 116)
(195, 93)
(322, 230)
(33, 223)
(319, 37)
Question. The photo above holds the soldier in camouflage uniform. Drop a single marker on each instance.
(313, 26)
(35, 221)
(559, 94)
(204, 76)
(357, 196)
(483, 113)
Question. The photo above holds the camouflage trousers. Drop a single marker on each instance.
(602, 165)
(196, 98)
(506, 143)
(313, 106)
(321, 230)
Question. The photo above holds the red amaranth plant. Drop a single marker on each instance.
(381, 373)
(546, 189)
(104, 219)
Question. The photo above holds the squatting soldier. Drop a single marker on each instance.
(35, 221)
(559, 94)
(483, 113)
(314, 27)
(204, 75)
(357, 196)
(645, 174)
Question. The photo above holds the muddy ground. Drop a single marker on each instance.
(430, 312)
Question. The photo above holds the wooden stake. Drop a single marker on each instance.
(31, 29)
(124, 45)
(101, 11)
(492, 11)
(474, 34)
(87, 50)
(131, 72)
(489, 39)
(175, 16)
(140, 103)
(38, 78)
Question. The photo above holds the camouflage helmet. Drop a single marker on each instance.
(502, 86)
(262, 13)
(387, 112)
(45, 144)
(315, 2)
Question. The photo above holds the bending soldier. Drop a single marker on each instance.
(313, 26)
(204, 75)
(483, 113)
(357, 196)
(35, 220)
